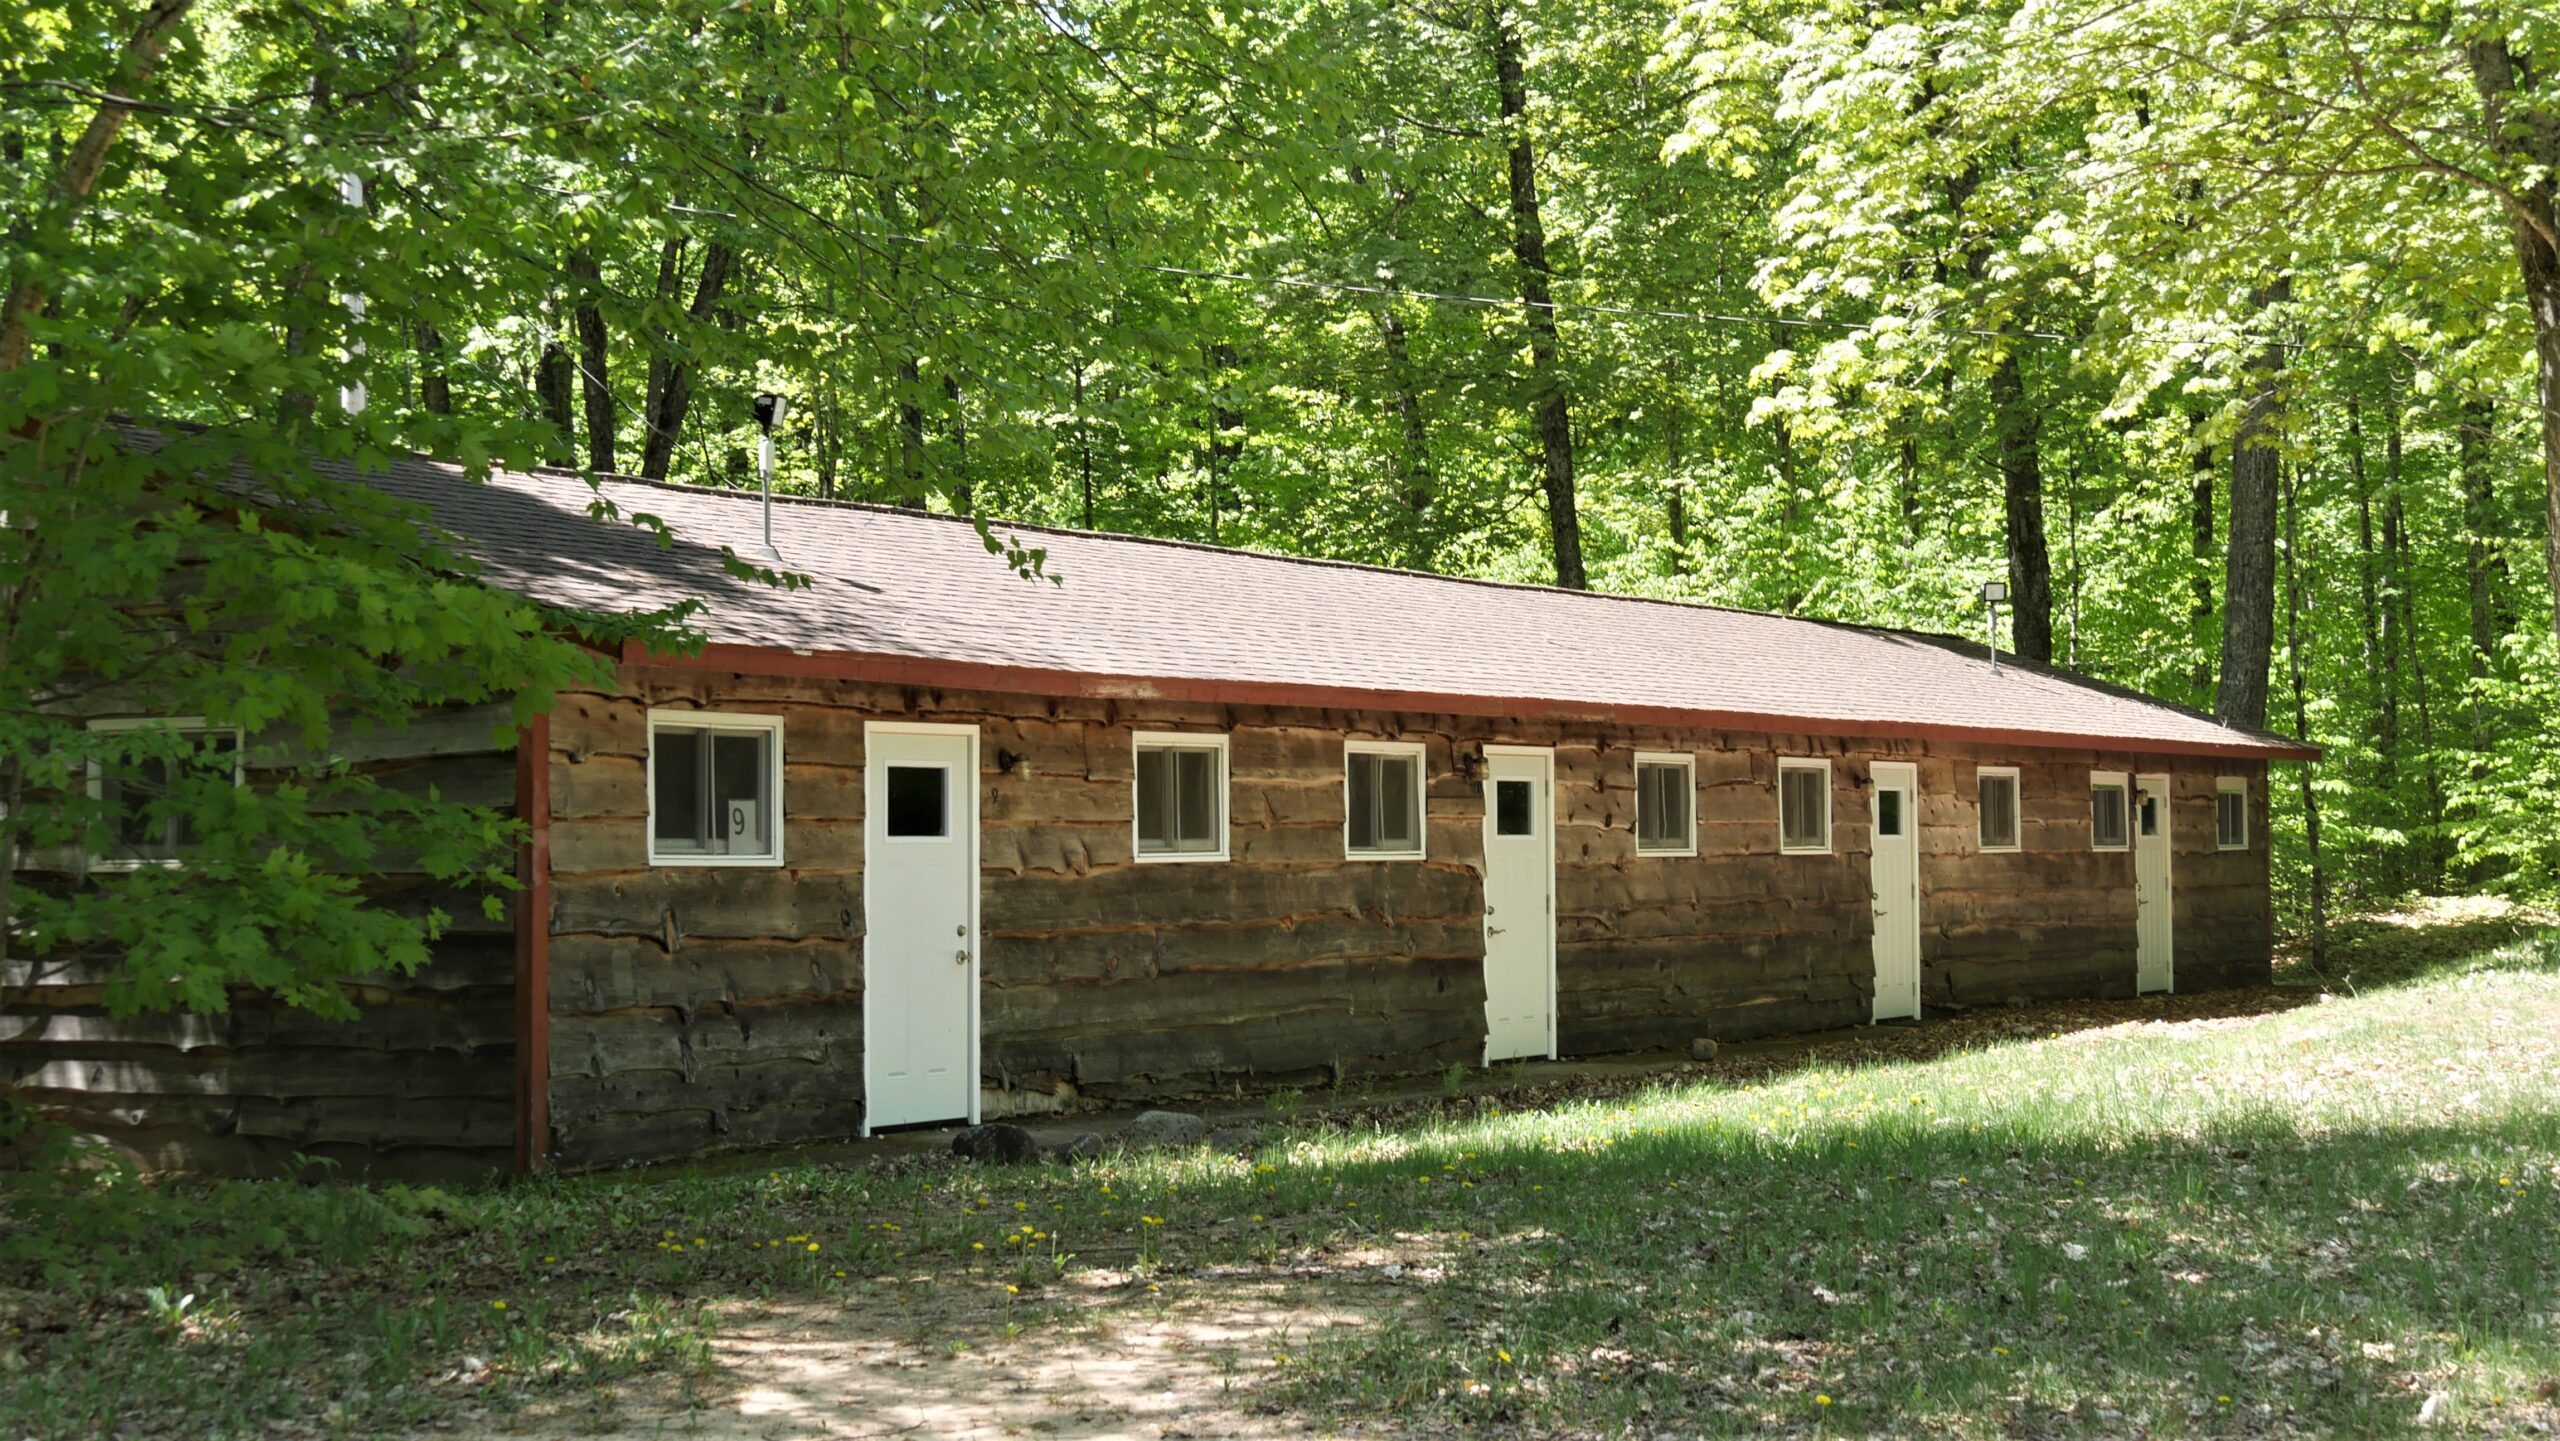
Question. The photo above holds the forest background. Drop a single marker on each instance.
(2228, 334)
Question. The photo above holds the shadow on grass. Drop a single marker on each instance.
(1981, 1280)
(2429, 938)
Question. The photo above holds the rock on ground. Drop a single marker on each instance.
(997, 1143)
(1165, 1128)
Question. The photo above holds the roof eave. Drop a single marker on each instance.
(934, 673)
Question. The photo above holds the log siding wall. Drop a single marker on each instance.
(697, 1008)
(420, 1084)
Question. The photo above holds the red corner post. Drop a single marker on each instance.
(533, 947)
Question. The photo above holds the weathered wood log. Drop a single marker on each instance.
(738, 902)
(607, 973)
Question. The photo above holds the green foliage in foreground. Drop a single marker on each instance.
(2300, 1223)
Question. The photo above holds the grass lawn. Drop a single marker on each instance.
(2303, 1223)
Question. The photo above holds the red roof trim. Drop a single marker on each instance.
(971, 675)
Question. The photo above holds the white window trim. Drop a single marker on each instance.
(681, 718)
(1195, 740)
(2098, 781)
(2017, 810)
(2231, 785)
(1686, 761)
(1829, 802)
(1421, 797)
(98, 779)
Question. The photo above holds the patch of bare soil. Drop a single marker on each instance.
(1099, 1356)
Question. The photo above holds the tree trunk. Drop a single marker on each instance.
(86, 161)
(1546, 349)
(2301, 716)
(910, 433)
(1413, 440)
(555, 387)
(2484, 556)
(1226, 433)
(2402, 582)
(594, 351)
(671, 378)
(2381, 644)
(2200, 605)
(2530, 137)
(2022, 483)
(2248, 581)
(435, 388)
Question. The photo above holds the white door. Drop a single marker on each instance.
(1895, 875)
(1519, 903)
(920, 921)
(2153, 968)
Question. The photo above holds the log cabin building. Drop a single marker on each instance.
(925, 841)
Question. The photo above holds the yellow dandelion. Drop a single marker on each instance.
(497, 1305)
(977, 1245)
(813, 1245)
(1821, 1400)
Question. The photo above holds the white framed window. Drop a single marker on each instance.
(1179, 796)
(2231, 813)
(1996, 787)
(1666, 804)
(2108, 819)
(136, 836)
(1804, 806)
(715, 789)
(1382, 810)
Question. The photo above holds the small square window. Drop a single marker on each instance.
(2108, 818)
(1666, 805)
(1514, 808)
(1181, 797)
(1382, 799)
(2231, 814)
(134, 795)
(919, 803)
(715, 789)
(1997, 788)
(1804, 806)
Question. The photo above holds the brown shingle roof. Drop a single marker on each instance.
(1220, 623)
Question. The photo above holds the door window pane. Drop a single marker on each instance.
(2150, 815)
(1888, 813)
(919, 802)
(1514, 811)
